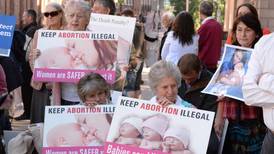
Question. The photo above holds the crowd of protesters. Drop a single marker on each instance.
(182, 65)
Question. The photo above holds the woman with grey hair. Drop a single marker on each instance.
(77, 14)
(93, 90)
(164, 80)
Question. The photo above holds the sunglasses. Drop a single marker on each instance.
(52, 14)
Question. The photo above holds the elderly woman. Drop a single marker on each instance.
(164, 80)
(54, 19)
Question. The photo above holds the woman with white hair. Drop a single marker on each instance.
(164, 80)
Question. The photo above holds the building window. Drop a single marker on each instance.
(129, 2)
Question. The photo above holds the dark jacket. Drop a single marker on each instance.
(202, 101)
(163, 42)
(194, 96)
(30, 29)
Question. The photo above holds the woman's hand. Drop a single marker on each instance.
(35, 54)
(91, 103)
(165, 147)
(220, 98)
(164, 101)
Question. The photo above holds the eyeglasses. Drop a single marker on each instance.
(52, 14)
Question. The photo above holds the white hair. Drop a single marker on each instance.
(160, 70)
(169, 15)
(79, 3)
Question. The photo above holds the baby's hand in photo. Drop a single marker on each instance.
(165, 146)
(91, 133)
(81, 120)
(101, 136)
(90, 136)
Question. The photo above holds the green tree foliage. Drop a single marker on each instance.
(121, 2)
(180, 5)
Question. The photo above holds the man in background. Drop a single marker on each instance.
(29, 22)
(211, 34)
(195, 78)
(167, 20)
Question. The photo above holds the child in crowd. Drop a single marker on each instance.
(176, 141)
(130, 131)
(93, 90)
(153, 129)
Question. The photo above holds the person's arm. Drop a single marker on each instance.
(266, 82)
(252, 92)
(56, 93)
(231, 79)
(219, 120)
(226, 80)
(165, 49)
(32, 54)
(202, 31)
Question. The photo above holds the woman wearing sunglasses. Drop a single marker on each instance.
(54, 19)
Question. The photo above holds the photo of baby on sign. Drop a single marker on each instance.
(228, 78)
(65, 56)
(76, 128)
(150, 128)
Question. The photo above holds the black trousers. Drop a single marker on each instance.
(268, 144)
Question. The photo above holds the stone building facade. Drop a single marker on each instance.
(265, 10)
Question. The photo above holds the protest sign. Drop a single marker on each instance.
(228, 78)
(66, 56)
(7, 25)
(143, 127)
(76, 129)
(115, 96)
(124, 27)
